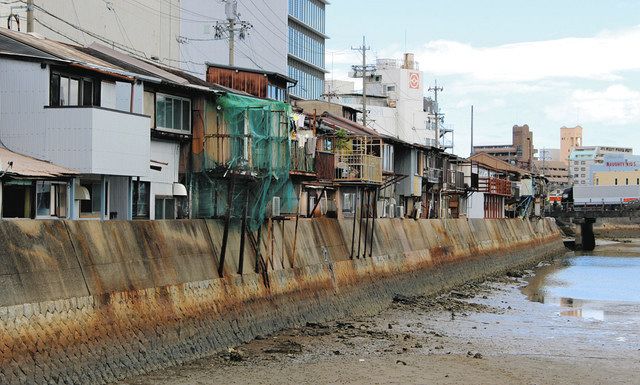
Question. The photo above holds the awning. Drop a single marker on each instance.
(82, 193)
(179, 190)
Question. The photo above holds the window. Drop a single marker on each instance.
(616, 181)
(348, 202)
(51, 199)
(149, 106)
(387, 157)
(173, 113)
(626, 181)
(165, 208)
(419, 163)
(141, 196)
(91, 208)
(72, 91)
(638, 181)
(597, 181)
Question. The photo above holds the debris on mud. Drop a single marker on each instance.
(443, 303)
(285, 347)
(233, 355)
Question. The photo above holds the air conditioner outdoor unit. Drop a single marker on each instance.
(400, 211)
(275, 207)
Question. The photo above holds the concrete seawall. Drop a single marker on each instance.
(93, 302)
(617, 228)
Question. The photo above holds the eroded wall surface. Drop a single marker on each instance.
(92, 302)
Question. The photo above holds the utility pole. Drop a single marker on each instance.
(436, 110)
(471, 153)
(232, 25)
(30, 16)
(363, 71)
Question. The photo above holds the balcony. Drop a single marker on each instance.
(95, 140)
(302, 161)
(432, 175)
(359, 168)
(495, 186)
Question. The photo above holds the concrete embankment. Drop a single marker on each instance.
(92, 302)
(617, 228)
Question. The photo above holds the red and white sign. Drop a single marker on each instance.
(621, 164)
(414, 80)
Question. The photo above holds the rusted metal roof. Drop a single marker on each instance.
(23, 166)
(354, 128)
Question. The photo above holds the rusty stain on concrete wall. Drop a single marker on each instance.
(92, 302)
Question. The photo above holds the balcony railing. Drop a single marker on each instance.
(495, 186)
(95, 140)
(302, 161)
(358, 168)
(433, 175)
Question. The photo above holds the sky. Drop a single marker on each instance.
(543, 63)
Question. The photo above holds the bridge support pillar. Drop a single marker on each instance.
(585, 239)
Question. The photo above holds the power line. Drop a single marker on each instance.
(363, 71)
(57, 32)
(123, 47)
(103, 39)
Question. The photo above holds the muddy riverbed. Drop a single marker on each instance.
(517, 329)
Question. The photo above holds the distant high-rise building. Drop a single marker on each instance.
(520, 152)
(570, 138)
(306, 59)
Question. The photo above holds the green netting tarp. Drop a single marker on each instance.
(258, 145)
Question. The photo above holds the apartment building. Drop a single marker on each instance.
(582, 159)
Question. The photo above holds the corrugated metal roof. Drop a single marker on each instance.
(496, 164)
(27, 167)
(55, 48)
(134, 64)
(346, 124)
(10, 46)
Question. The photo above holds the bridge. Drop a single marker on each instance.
(586, 216)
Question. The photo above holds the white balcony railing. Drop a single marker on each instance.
(96, 140)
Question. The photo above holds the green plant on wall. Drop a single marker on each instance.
(342, 141)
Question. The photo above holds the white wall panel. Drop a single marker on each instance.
(24, 91)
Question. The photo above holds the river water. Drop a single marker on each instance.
(603, 287)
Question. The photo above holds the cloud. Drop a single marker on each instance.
(601, 57)
(616, 104)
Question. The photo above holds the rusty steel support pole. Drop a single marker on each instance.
(258, 250)
(227, 221)
(243, 231)
(360, 222)
(284, 244)
(366, 222)
(295, 232)
(353, 230)
(373, 221)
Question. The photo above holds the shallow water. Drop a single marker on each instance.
(598, 287)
